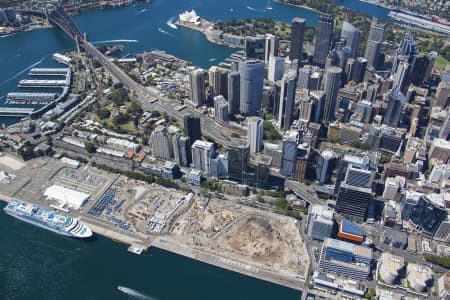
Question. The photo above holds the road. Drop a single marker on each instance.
(219, 133)
(302, 191)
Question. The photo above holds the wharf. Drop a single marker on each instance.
(31, 98)
(49, 71)
(166, 243)
(15, 111)
(5, 198)
(43, 83)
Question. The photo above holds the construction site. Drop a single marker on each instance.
(242, 233)
(220, 232)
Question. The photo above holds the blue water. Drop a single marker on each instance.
(20, 51)
(38, 264)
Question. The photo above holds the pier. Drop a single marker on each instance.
(43, 83)
(66, 72)
(31, 98)
(49, 71)
(15, 111)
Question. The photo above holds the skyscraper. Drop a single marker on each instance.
(407, 54)
(202, 152)
(401, 74)
(332, 59)
(359, 69)
(344, 54)
(422, 68)
(374, 41)
(408, 48)
(333, 77)
(304, 74)
(289, 155)
(352, 202)
(324, 33)
(444, 133)
(192, 128)
(161, 146)
(297, 35)
(197, 84)
(272, 46)
(276, 68)
(218, 81)
(181, 150)
(287, 99)
(395, 100)
(251, 87)
(352, 36)
(325, 166)
(255, 134)
(221, 109)
(431, 57)
(238, 156)
(234, 92)
(255, 47)
(305, 109)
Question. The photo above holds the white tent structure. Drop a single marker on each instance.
(66, 197)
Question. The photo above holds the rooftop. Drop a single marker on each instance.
(351, 228)
(441, 143)
(348, 247)
(392, 262)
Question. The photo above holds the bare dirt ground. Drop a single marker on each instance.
(245, 234)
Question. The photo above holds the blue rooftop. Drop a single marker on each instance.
(351, 228)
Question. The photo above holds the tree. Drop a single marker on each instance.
(359, 145)
(134, 108)
(103, 113)
(90, 147)
(385, 158)
(119, 97)
(120, 119)
(270, 132)
(443, 261)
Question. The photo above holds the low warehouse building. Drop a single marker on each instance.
(66, 197)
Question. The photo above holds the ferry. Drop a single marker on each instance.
(43, 217)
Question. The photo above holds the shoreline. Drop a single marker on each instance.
(171, 245)
(204, 30)
(300, 6)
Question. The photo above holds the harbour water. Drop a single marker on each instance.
(38, 264)
(136, 27)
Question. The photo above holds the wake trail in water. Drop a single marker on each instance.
(116, 41)
(164, 32)
(21, 72)
(254, 9)
(142, 11)
(7, 35)
(171, 23)
(135, 294)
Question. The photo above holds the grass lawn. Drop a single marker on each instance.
(129, 127)
(440, 62)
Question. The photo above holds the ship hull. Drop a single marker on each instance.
(43, 226)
